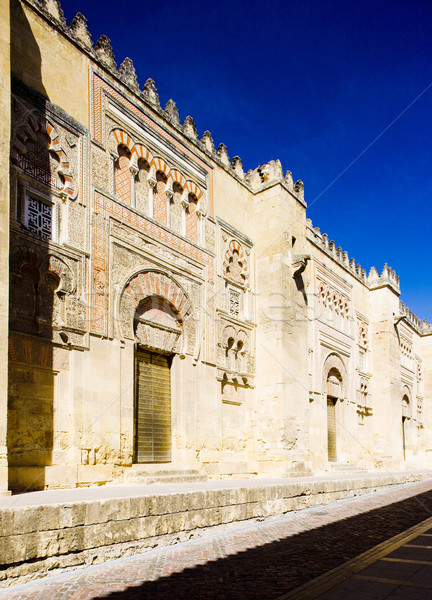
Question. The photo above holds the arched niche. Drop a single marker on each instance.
(36, 148)
(406, 402)
(157, 314)
(334, 377)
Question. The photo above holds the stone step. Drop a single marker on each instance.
(145, 477)
(345, 468)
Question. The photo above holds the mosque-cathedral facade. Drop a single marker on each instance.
(172, 317)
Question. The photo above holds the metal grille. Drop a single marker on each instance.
(39, 217)
(39, 172)
(153, 408)
(331, 429)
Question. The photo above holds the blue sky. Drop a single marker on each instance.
(321, 85)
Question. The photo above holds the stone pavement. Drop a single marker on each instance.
(398, 569)
(274, 559)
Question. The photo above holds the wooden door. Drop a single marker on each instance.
(152, 408)
(331, 429)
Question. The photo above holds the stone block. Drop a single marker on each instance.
(60, 476)
(94, 474)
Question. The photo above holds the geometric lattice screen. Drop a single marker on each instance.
(39, 217)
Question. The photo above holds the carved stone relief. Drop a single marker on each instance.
(333, 300)
(362, 334)
(40, 150)
(152, 249)
(158, 314)
(236, 365)
(44, 296)
(101, 169)
(235, 267)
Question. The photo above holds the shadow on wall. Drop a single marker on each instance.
(33, 283)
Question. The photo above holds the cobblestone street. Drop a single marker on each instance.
(263, 561)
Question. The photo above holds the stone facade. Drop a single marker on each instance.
(131, 239)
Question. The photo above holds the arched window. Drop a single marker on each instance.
(192, 219)
(142, 186)
(122, 175)
(176, 208)
(235, 264)
(160, 207)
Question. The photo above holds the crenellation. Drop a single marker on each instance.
(207, 142)
(237, 167)
(128, 74)
(105, 53)
(79, 30)
(222, 154)
(54, 10)
(299, 189)
(150, 93)
(172, 113)
(426, 328)
(420, 325)
(388, 278)
(373, 280)
(271, 171)
(373, 274)
(189, 129)
(253, 179)
(289, 182)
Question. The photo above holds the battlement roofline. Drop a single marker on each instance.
(373, 281)
(102, 54)
(421, 326)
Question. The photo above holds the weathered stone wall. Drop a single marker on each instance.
(48, 63)
(40, 539)
(5, 127)
(359, 319)
(263, 316)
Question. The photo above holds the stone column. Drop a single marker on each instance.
(5, 124)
